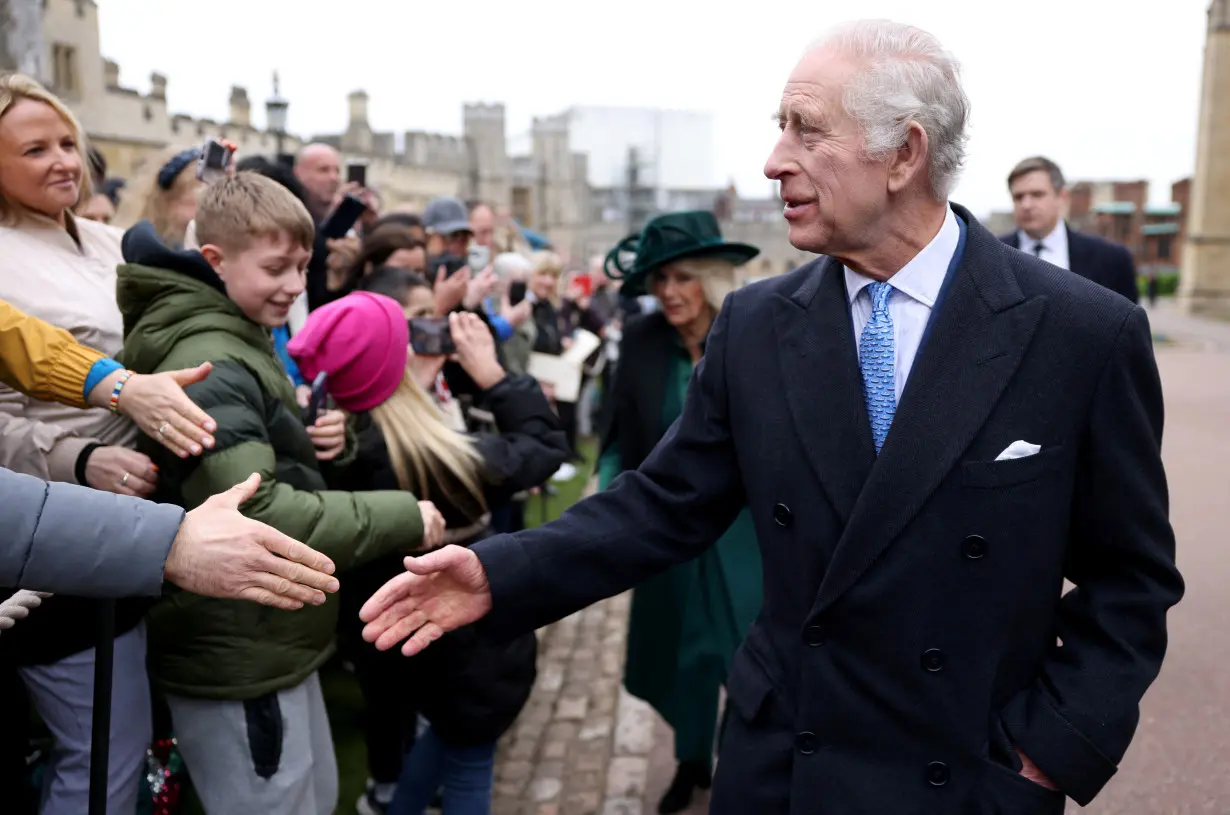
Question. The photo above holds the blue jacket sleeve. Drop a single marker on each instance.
(73, 540)
(503, 328)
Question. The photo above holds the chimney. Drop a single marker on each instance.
(111, 74)
(241, 108)
(358, 107)
(157, 86)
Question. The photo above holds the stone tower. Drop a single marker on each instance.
(1205, 276)
(358, 135)
(22, 41)
(487, 162)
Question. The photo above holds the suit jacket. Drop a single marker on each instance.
(911, 600)
(1093, 258)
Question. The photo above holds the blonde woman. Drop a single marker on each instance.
(169, 198)
(470, 690)
(687, 622)
(62, 269)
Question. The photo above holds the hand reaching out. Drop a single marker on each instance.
(475, 349)
(450, 291)
(439, 592)
(220, 553)
(159, 406)
(122, 471)
(433, 525)
(480, 287)
(329, 435)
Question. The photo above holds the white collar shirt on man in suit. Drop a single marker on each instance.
(915, 289)
(1054, 246)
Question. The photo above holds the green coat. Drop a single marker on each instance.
(687, 622)
(229, 649)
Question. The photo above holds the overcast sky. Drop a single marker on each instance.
(1108, 88)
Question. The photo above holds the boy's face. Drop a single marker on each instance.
(264, 278)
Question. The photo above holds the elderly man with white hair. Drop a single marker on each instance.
(931, 431)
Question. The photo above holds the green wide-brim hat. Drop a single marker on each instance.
(667, 238)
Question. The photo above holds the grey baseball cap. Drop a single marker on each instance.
(446, 215)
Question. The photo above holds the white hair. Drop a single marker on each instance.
(509, 263)
(907, 76)
(716, 276)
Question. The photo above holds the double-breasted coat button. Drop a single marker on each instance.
(807, 743)
(933, 660)
(974, 547)
(813, 635)
(937, 773)
(782, 516)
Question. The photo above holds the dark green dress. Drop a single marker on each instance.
(687, 622)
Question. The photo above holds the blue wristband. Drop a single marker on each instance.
(98, 372)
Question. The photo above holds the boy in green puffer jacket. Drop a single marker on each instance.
(241, 679)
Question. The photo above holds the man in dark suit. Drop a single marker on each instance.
(1039, 198)
(931, 431)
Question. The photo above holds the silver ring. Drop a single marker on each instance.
(124, 480)
(162, 428)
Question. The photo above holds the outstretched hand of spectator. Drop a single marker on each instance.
(450, 291)
(159, 406)
(475, 349)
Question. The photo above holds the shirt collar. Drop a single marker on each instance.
(1056, 241)
(921, 278)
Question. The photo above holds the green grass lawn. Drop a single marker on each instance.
(342, 695)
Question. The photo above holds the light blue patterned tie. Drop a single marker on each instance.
(877, 358)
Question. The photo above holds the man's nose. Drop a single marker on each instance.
(776, 165)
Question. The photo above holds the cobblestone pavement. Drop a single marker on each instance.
(577, 749)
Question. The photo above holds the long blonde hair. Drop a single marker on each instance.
(148, 201)
(424, 449)
(14, 88)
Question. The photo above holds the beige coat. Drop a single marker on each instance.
(47, 274)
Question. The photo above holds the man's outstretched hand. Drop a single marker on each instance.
(220, 553)
(439, 592)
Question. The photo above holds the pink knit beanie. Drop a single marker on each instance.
(360, 341)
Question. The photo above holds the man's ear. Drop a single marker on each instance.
(214, 257)
(910, 159)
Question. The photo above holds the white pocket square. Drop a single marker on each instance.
(1019, 449)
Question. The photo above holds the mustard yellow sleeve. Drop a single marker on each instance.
(42, 361)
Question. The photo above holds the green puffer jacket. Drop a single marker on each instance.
(176, 315)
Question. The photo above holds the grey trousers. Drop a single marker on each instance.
(63, 695)
(272, 755)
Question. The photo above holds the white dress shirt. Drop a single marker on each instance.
(915, 289)
(1054, 245)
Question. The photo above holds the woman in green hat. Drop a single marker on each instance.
(687, 622)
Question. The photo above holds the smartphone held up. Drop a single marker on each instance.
(316, 402)
(431, 336)
(215, 161)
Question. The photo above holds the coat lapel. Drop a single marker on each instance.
(976, 342)
(824, 390)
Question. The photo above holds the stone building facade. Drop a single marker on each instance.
(545, 188)
(1205, 275)
(135, 131)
